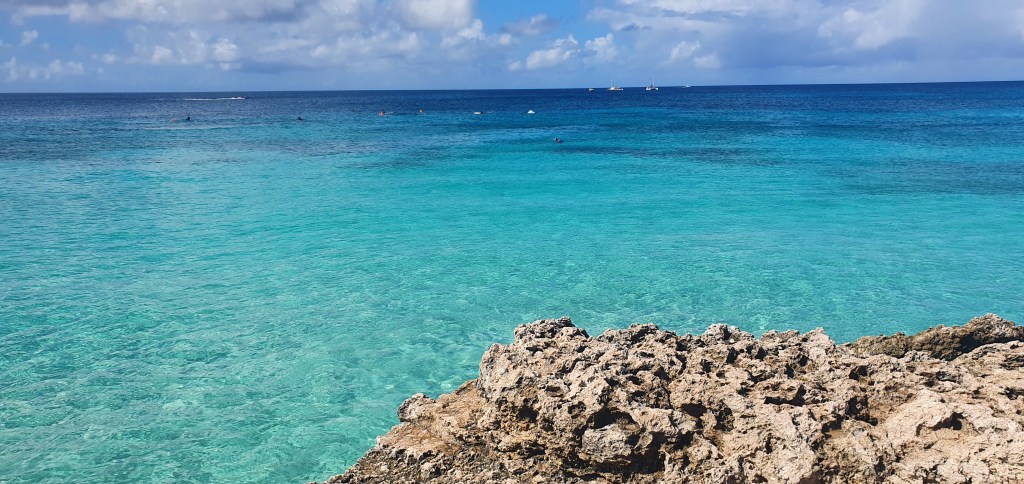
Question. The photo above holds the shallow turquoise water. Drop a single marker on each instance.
(248, 298)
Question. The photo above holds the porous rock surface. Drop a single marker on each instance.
(642, 405)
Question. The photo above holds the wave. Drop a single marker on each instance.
(236, 98)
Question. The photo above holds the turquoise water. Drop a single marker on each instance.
(246, 297)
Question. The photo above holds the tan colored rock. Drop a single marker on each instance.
(942, 342)
(641, 405)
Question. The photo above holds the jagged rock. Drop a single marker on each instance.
(642, 405)
(942, 342)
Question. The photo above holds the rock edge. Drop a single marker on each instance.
(641, 405)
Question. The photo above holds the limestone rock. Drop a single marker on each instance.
(942, 342)
(641, 405)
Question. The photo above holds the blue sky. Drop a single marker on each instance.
(238, 45)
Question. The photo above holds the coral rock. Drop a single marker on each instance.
(642, 405)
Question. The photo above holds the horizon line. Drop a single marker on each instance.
(525, 88)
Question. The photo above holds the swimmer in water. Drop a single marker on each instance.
(300, 119)
(558, 140)
(188, 118)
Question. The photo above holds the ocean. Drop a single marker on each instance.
(246, 297)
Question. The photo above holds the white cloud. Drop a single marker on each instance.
(28, 36)
(709, 61)
(602, 49)
(388, 43)
(424, 42)
(225, 51)
(731, 7)
(161, 55)
(193, 49)
(289, 44)
(438, 14)
(557, 54)
(533, 26)
(108, 58)
(186, 48)
(64, 68)
(815, 34)
(286, 34)
(11, 67)
(684, 50)
(57, 68)
(875, 25)
(174, 12)
(472, 42)
(474, 32)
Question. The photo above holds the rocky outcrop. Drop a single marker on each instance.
(942, 342)
(642, 405)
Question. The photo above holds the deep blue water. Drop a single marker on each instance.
(246, 297)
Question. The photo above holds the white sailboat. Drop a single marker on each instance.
(651, 86)
(614, 87)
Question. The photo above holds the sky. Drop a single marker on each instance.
(250, 45)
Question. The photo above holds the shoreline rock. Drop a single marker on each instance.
(641, 405)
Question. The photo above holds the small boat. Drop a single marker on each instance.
(478, 112)
(614, 87)
(651, 86)
(590, 89)
(530, 112)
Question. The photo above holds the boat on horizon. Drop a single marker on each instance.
(614, 87)
(651, 86)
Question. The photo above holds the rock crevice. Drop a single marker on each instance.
(642, 405)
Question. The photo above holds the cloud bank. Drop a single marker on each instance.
(435, 43)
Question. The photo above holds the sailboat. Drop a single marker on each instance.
(651, 86)
(614, 87)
